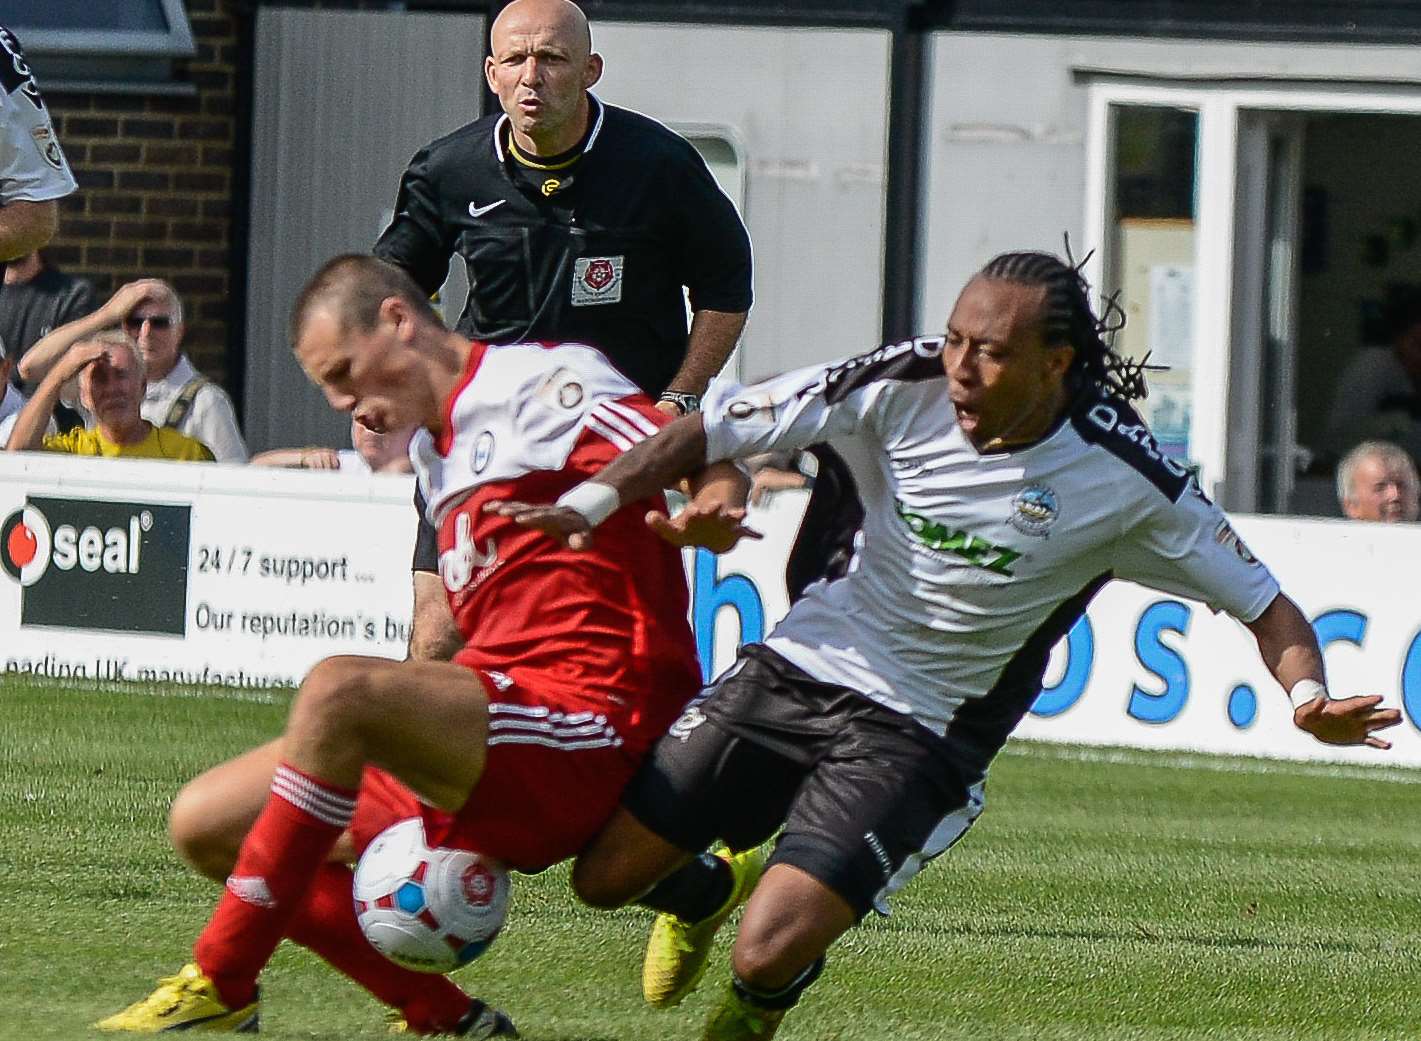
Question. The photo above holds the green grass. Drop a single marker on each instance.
(1103, 896)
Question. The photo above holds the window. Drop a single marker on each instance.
(109, 27)
(1150, 258)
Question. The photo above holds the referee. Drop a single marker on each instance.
(577, 221)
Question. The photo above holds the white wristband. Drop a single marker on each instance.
(1305, 691)
(594, 500)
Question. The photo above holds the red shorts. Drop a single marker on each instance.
(552, 777)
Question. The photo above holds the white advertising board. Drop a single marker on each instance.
(199, 574)
(248, 577)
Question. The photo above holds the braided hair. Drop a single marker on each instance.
(1067, 318)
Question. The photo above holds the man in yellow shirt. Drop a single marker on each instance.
(111, 386)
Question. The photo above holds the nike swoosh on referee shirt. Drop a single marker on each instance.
(479, 211)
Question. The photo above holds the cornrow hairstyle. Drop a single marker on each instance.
(1067, 318)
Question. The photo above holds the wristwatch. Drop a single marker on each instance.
(687, 403)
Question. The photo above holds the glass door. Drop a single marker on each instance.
(1150, 255)
(1264, 455)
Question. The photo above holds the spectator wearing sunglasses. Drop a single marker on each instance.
(108, 366)
(177, 395)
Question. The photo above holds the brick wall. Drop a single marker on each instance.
(155, 185)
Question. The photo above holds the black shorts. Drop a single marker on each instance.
(866, 795)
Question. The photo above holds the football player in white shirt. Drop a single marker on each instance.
(998, 501)
(33, 171)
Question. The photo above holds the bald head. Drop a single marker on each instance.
(560, 19)
(541, 65)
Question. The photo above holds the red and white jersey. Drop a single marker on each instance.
(605, 628)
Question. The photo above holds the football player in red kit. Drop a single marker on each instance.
(573, 664)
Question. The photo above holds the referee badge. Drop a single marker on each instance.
(597, 280)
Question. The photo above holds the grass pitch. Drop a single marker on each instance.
(1102, 896)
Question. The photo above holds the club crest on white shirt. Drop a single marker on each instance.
(1034, 510)
(483, 451)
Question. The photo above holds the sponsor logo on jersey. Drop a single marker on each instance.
(463, 564)
(570, 394)
(1034, 510)
(977, 552)
(687, 722)
(1127, 437)
(48, 146)
(1225, 535)
(483, 451)
(90, 564)
(745, 408)
(922, 347)
(597, 280)
(562, 389)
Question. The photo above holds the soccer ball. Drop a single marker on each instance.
(430, 910)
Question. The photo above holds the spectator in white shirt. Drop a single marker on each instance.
(177, 396)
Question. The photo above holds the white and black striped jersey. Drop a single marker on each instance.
(32, 165)
(971, 565)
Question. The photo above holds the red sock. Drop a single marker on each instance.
(287, 845)
(326, 924)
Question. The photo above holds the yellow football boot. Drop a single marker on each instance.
(735, 1019)
(187, 1001)
(677, 951)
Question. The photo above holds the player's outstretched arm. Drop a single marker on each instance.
(1289, 648)
(677, 451)
(714, 517)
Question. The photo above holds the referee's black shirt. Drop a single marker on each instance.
(600, 261)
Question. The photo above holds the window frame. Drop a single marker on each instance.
(177, 42)
(1221, 336)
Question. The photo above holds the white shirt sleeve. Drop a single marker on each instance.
(32, 165)
(213, 421)
(7, 427)
(798, 409)
(1189, 548)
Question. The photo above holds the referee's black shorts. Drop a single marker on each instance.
(866, 795)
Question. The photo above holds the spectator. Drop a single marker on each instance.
(177, 395)
(39, 298)
(33, 172)
(11, 400)
(111, 380)
(1376, 481)
(1379, 393)
(387, 453)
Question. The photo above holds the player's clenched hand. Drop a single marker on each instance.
(567, 526)
(715, 526)
(1346, 721)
